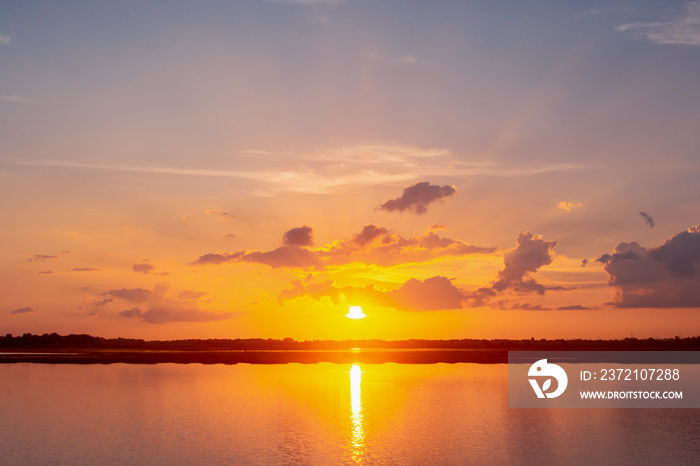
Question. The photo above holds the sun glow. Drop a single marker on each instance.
(355, 312)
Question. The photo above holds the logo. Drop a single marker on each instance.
(544, 369)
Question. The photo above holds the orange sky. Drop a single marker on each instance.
(253, 170)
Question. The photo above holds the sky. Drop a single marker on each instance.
(254, 168)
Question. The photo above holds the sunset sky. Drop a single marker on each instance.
(212, 169)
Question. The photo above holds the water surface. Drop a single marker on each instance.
(314, 414)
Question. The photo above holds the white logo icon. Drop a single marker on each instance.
(543, 369)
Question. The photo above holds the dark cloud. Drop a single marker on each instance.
(573, 307)
(284, 256)
(647, 218)
(368, 234)
(302, 236)
(41, 257)
(373, 245)
(24, 310)
(45, 272)
(531, 253)
(84, 269)
(431, 294)
(218, 258)
(162, 309)
(680, 253)
(624, 254)
(167, 313)
(435, 293)
(529, 307)
(134, 295)
(133, 312)
(142, 268)
(584, 262)
(416, 198)
(662, 277)
(509, 305)
(104, 302)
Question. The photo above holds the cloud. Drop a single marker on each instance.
(134, 295)
(133, 312)
(142, 268)
(84, 269)
(663, 277)
(526, 307)
(567, 206)
(680, 254)
(438, 226)
(684, 29)
(531, 253)
(24, 310)
(573, 307)
(45, 272)
(408, 59)
(302, 236)
(309, 2)
(188, 295)
(41, 257)
(104, 302)
(5, 40)
(584, 262)
(220, 215)
(162, 309)
(174, 312)
(647, 218)
(284, 256)
(218, 258)
(416, 198)
(373, 245)
(16, 99)
(329, 290)
(377, 245)
(431, 294)
(329, 169)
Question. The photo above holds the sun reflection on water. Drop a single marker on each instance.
(358, 434)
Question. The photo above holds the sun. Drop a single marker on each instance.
(355, 312)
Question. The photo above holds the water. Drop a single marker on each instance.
(314, 414)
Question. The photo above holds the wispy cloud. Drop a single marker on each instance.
(684, 29)
(332, 169)
(5, 40)
(13, 98)
(308, 2)
(373, 53)
(24, 310)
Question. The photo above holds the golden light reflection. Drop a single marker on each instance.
(358, 433)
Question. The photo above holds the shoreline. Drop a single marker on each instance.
(350, 356)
